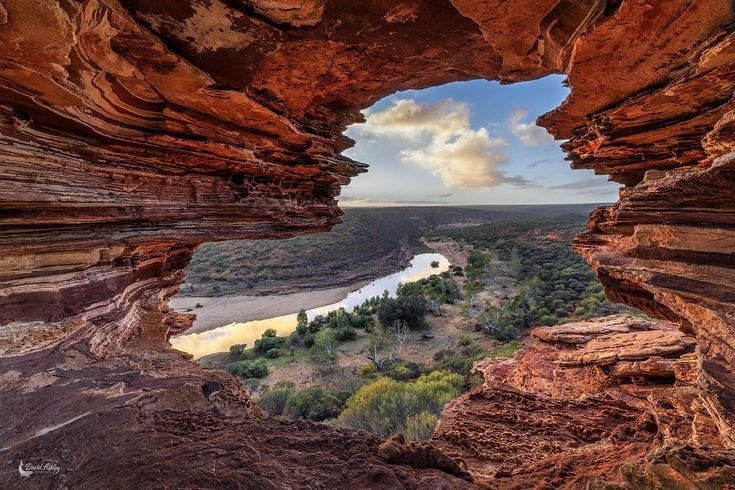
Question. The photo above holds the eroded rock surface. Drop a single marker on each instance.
(132, 130)
(562, 414)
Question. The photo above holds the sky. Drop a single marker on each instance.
(467, 143)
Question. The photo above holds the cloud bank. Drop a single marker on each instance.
(440, 139)
(528, 133)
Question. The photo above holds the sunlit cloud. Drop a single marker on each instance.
(527, 132)
(438, 137)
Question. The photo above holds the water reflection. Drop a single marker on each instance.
(220, 339)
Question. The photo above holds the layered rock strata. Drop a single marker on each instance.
(132, 130)
(608, 403)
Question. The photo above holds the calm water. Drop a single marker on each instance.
(220, 339)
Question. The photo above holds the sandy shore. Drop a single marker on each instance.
(223, 310)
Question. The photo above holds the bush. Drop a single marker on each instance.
(465, 340)
(345, 333)
(308, 339)
(319, 322)
(249, 369)
(420, 427)
(385, 406)
(251, 384)
(274, 353)
(403, 370)
(237, 349)
(458, 361)
(267, 342)
(273, 401)
(368, 370)
(548, 320)
(362, 321)
(313, 403)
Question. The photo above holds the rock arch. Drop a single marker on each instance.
(132, 130)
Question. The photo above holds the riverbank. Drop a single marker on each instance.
(445, 333)
(214, 312)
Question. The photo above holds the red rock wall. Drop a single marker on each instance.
(132, 130)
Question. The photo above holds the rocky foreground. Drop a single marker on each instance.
(133, 130)
(611, 403)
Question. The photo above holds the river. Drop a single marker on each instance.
(220, 339)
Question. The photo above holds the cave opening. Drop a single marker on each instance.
(460, 175)
(134, 131)
(461, 144)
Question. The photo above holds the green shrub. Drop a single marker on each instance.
(547, 320)
(267, 342)
(274, 353)
(345, 333)
(458, 361)
(313, 403)
(362, 321)
(401, 370)
(465, 340)
(420, 427)
(302, 329)
(384, 406)
(237, 349)
(251, 384)
(273, 401)
(368, 369)
(249, 369)
(308, 339)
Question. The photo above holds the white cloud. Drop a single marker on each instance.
(528, 133)
(441, 140)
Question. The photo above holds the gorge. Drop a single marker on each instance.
(134, 130)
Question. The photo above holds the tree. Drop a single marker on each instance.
(313, 403)
(409, 308)
(325, 344)
(302, 322)
(400, 328)
(377, 349)
(472, 287)
(435, 264)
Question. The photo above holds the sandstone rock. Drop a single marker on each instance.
(635, 346)
(582, 332)
(550, 389)
(420, 454)
(133, 130)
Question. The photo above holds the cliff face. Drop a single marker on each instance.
(132, 130)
